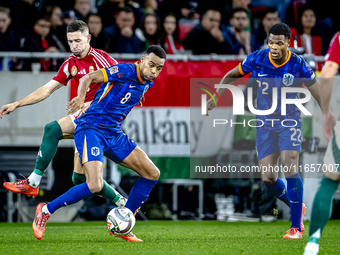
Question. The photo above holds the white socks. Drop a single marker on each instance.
(34, 180)
(45, 210)
(121, 201)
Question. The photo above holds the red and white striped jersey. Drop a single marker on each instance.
(333, 53)
(76, 68)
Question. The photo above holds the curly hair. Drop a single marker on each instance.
(280, 29)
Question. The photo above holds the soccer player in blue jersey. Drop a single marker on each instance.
(99, 131)
(277, 67)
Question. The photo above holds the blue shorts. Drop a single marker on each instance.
(91, 145)
(269, 141)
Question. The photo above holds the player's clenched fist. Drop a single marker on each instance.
(7, 109)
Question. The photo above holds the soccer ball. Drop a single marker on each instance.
(120, 221)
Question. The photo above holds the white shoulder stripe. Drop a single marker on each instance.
(96, 59)
(65, 70)
(106, 63)
(96, 64)
(101, 57)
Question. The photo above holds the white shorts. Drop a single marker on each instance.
(332, 155)
(73, 117)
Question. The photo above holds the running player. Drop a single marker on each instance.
(84, 60)
(277, 67)
(99, 131)
(323, 200)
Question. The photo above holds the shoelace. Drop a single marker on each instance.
(44, 219)
(21, 181)
(292, 231)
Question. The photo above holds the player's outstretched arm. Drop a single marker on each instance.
(35, 97)
(327, 75)
(77, 103)
(326, 109)
(229, 78)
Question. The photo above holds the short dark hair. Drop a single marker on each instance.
(43, 17)
(126, 9)
(263, 13)
(233, 11)
(5, 10)
(157, 50)
(280, 29)
(77, 26)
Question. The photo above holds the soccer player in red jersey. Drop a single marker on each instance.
(323, 200)
(84, 60)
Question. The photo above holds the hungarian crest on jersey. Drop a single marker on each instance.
(288, 79)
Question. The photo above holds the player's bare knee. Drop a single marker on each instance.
(269, 180)
(289, 159)
(153, 174)
(96, 186)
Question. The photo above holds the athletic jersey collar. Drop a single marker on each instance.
(138, 74)
(87, 55)
(276, 65)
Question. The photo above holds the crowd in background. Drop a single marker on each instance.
(179, 26)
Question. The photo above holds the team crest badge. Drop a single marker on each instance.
(288, 79)
(113, 69)
(91, 69)
(95, 151)
(74, 70)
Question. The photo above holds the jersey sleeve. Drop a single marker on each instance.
(333, 53)
(63, 75)
(245, 66)
(116, 73)
(308, 75)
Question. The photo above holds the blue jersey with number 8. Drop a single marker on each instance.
(122, 89)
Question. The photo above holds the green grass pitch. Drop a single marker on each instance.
(164, 237)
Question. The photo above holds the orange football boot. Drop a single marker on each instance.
(293, 233)
(40, 221)
(129, 237)
(21, 186)
(302, 226)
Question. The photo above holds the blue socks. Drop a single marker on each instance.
(73, 195)
(279, 191)
(295, 193)
(139, 193)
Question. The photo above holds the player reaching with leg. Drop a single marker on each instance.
(84, 60)
(99, 131)
(323, 200)
(276, 68)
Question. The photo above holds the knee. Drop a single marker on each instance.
(53, 129)
(269, 180)
(96, 186)
(289, 159)
(154, 174)
(78, 178)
